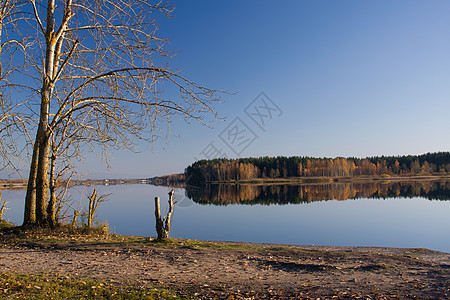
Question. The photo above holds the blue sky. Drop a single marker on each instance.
(351, 78)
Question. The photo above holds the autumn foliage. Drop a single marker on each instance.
(225, 170)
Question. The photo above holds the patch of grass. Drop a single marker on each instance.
(24, 286)
(287, 249)
(6, 224)
(63, 233)
(196, 244)
(175, 243)
(372, 267)
(416, 250)
(81, 236)
(414, 253)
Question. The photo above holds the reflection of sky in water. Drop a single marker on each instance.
(399, 222)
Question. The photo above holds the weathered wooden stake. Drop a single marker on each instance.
(163, 225)
(74, 220)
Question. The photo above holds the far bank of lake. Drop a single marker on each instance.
(336, 179)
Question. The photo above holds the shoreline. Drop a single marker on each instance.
(22, 184)
(207, 270)
(330, 180)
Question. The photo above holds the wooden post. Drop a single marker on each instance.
(74, 220)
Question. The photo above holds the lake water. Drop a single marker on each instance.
(399, 215)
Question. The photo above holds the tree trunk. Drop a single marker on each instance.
(42, 182)
(37, 188)
(29, 218)
(159, 223)
(74, 220)
(51, 215)
(92, 207)
(168, 219)
(44, 132)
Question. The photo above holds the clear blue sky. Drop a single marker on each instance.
(351, 78)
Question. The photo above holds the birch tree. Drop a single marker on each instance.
(101, 69)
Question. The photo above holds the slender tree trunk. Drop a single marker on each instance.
(51, 208)
(42, 181)
(168, 219)
(92, 207)
(29, 218)
(43, 140)
(74, 220)
(159, 223)
(37, 188)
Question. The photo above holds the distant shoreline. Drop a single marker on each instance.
(336, 179)
(22, 184)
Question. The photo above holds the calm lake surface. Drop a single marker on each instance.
(389, 216)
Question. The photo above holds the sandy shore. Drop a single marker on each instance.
(211, 270)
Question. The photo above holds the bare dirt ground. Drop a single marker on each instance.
(238, 271)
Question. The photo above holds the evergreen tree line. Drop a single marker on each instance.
(223, 169)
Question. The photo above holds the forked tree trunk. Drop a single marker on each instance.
(41, 150)
(163, 225)
(38, 185)
(38, 181)
(93, 202)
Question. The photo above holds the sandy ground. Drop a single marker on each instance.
(242, 271)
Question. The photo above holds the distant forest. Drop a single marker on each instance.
(225, 170)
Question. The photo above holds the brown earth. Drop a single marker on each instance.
(219, 270)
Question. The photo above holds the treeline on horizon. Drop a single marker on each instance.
(223, 169)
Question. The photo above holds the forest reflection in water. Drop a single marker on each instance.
(224, 194)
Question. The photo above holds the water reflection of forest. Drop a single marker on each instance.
(223, 194)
